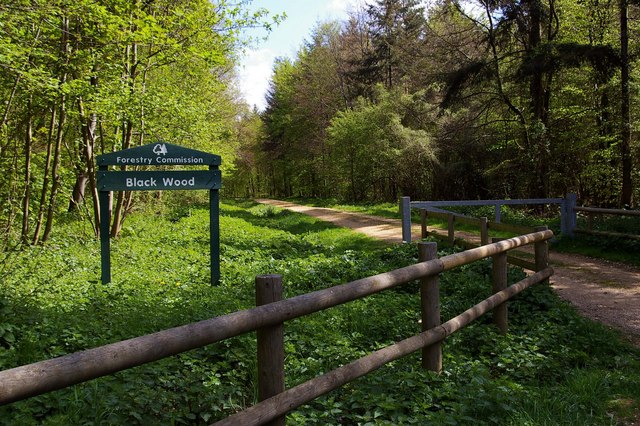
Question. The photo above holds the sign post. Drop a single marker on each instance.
(159, 154)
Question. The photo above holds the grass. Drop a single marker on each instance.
(609, 248)
(388, 210)
(554, 367)
(615, 249)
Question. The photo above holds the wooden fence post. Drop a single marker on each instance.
(405, 213)
(484, 231)
(499, 278)
(452, 221)
(270, 344)
(541, 250)
(423, 222)
(430, 303)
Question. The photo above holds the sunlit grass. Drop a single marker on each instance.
(553, 366)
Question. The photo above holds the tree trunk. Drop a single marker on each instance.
(77, 196)
(88, 175)
(9, 103)
(625, 143)
(124, 199)
(46, 175)
(59, 135)
(539, 106)
(55, 171)
(26, 198)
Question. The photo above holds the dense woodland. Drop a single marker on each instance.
(477, 99)
(80, 78)
(529, 98)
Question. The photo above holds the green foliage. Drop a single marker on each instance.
(80, 78)
(617, 249)
(378, 149)
(497, 100)
(552, 364)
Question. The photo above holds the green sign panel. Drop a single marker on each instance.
(159, 154)
(159, 180)
(156, 155)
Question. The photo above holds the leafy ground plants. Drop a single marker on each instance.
(552, 368)
(619, 249)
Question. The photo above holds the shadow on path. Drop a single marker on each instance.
(604, 291)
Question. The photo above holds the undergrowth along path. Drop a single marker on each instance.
(604, 291)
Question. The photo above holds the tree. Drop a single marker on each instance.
(525, 44)
(377, 154)
(625, 117)
(397, 32)
(318, 96)
(528, 95)
(81, 78)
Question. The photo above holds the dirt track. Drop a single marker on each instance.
(604, 291)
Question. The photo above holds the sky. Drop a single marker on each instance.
(284, 40)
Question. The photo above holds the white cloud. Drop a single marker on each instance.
(338, 7)
(254, 74)
(256, 66)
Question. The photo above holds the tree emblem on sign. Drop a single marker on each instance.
(160, 149)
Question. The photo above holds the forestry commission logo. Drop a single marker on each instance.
(160, 149)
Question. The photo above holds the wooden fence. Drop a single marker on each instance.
(568, 216)
(44, 376)
(567, 210)
(482, 223)
(591, 212)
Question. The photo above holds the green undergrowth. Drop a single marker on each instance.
(388, 210)
(509, 215)
(618, 249)
(554, 367)
(615, 248)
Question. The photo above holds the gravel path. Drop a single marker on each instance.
(605, 291)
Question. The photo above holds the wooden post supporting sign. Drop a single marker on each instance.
(155, 155)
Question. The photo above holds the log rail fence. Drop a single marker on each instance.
(567, 214)
(592, 212)
(483, 223)
(568, 217)
(268, 320)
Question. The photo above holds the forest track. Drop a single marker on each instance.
(607, 292)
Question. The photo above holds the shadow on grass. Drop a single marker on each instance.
(318, 231)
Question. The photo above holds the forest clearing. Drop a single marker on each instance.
(552, 362)
(114, 113)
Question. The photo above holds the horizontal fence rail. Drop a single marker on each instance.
(567, 210)
(595, 211)
(608, 234)
(568, 215)
(614, 212)
(292, 398)
(34, 379)
(484, 226)
(459, 218)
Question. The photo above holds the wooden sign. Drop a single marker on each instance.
(157, 155)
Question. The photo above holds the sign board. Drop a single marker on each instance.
(159, 154)
(159, 180)
(156, 155)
